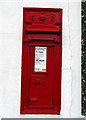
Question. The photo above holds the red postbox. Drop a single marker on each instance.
(41, 61)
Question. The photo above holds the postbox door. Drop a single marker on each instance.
(41, 76)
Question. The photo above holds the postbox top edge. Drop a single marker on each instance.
(44, 9)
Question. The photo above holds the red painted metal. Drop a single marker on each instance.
(41, 91)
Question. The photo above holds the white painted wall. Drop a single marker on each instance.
(11, 16)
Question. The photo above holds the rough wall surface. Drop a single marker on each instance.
(83, 42)
(11, 16)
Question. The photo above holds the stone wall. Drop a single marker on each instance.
(83, 42)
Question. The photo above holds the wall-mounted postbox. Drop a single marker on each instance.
(41, 61)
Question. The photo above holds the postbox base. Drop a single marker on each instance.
(40, 111)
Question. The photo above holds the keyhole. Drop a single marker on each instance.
(35, 80)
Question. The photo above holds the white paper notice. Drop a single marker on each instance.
(40, 59)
